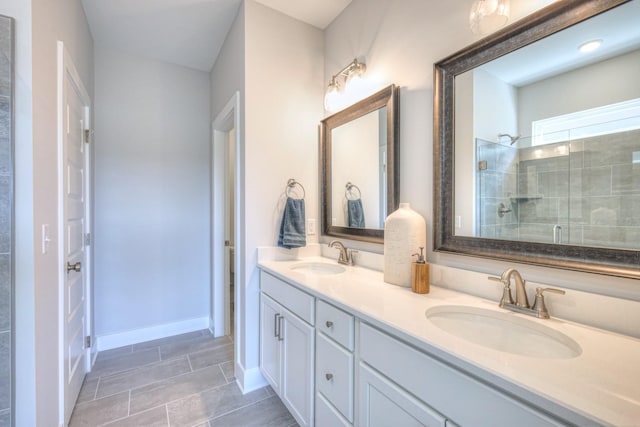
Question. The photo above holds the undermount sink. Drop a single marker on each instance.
(503, 332)
(319, 268)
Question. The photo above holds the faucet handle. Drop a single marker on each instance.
(506, 291)
(539, 306)
(350, 254)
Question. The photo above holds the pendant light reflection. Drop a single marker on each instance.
(353, 87)
(487, 16)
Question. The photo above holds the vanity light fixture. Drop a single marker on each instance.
(590, 46)
(488, 15)
(351, 76)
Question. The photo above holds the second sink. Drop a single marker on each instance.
(320, 268)
(503, 332)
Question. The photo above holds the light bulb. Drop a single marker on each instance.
(590, 46)
(487, 16)
(332, 96)
(356, 88)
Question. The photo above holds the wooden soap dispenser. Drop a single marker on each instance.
(420, 274)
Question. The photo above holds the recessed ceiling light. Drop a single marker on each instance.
(590, 46)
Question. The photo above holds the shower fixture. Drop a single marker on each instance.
(513, 139)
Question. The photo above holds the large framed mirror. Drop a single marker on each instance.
(359, 164)
(537, 141)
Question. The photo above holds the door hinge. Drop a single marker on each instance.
(87, 341)
(482, 165)
(88, 133)
(87, 239)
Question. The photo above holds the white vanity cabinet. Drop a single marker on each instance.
(337, 367)
(287, 345)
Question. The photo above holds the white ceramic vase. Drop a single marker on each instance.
(405, 230)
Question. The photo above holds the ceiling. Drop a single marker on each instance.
(618, 29)
(186, 32)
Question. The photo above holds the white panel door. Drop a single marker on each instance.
(270, 347)
(297, 368)
(73, 238)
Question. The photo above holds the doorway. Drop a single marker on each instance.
(225, 244)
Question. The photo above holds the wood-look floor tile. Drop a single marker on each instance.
(124, 363)
(161, 392)
(228, 370)
(142, 376)
(156, 417)
(193, 345)
(214, 356)
(170, 340)
(211, 403)
(269, 412)
(88, 390)
(114, 352)
(101, 411)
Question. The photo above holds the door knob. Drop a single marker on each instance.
(74, 267)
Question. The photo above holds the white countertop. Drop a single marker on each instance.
(601, 384)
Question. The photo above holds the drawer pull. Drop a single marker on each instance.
(329, 324)
(280, 331)
(276, 332)
(329, 377)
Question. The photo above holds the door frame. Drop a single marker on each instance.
(66, 65)
(228, 118)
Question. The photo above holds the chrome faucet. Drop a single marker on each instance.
(521, 305)
(346, 255)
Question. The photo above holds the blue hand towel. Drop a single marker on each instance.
(292, 230)
(355, 213)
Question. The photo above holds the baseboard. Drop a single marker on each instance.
(106, 342)
(249, 379)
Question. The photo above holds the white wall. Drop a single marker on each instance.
(577, 90)
(401, 41)
(284, 91)
(151, 194)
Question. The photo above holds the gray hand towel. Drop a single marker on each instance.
(355, 213)
(292, 231)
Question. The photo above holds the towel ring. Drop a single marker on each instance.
(349, 189)
(292, 183)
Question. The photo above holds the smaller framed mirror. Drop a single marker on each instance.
(359, 164)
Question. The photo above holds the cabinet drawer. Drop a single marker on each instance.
(293, 299)
(327, 415)
(336, 324)
(334, 375)
(459, 397)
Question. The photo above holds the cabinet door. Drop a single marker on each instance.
(384, 404)
(297, 368)
(270, 347)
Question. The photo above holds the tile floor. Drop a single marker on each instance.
(186, 380)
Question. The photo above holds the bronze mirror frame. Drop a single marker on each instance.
(549, 20)
(388, 97)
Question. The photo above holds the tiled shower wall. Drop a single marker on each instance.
(590, 188)
(605, 190)
(6, 213)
